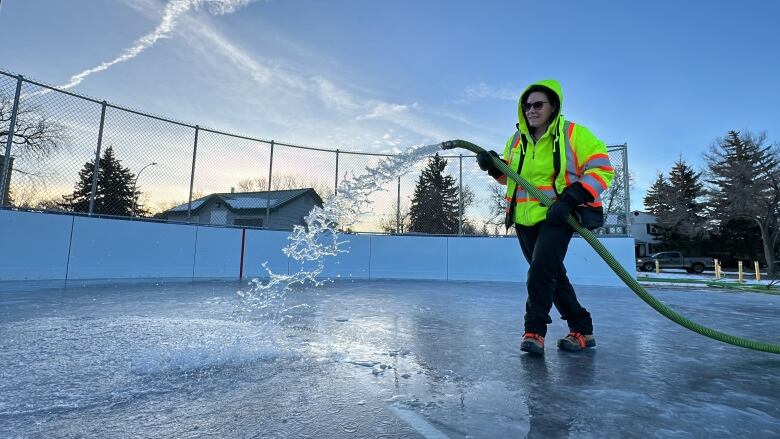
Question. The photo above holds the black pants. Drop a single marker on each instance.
(544, 247)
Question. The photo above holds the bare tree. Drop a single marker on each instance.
(497, 201)
(35, 134)
(35, 137)
(162, 207)
(389, 222)
(47, 204)
(283, 182)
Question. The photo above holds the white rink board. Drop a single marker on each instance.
(34, 246)
(41, 246)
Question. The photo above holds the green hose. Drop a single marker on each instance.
(615, 265)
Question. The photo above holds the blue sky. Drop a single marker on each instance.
(665, 77)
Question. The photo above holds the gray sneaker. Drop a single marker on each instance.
(576, 342)
(532, 343)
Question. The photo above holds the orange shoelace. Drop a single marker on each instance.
(579, 337)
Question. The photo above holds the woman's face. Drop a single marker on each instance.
(537, 109)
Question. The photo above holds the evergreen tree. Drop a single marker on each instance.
(116, 193)
(681, 221)
(435, 202)
(657, 197)
(744, 179)
(737, 239)
(688, 189)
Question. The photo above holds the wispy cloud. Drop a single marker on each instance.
(276, 78)
(281, 93)
(485, 91)
(384, 110)
(173, 10)
(335, 97)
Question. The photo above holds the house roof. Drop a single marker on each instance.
(248, 202)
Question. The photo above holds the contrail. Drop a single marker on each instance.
(173, 10)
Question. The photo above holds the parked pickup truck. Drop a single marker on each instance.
(674, 260)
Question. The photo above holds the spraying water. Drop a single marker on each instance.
(320, 237)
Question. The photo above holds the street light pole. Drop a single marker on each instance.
(135, 185)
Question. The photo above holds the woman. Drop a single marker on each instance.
(568, 163)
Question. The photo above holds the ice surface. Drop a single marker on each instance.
(377, 359)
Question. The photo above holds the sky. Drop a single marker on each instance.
(665, 77)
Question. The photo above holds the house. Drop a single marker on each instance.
(287, 208)
(642, 225)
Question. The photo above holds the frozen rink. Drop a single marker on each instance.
(378, 359)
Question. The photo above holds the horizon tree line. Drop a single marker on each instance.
(731, 207)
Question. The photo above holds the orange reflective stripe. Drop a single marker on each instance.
(598, 155)
(601, 180)
(589, 189)
(575, 162)
(577, 165)
(546, 190)
(597, 161)
(571, 129)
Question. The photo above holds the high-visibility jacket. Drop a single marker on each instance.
(584, 159)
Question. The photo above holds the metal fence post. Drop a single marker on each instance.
(5, 179)
(96, 167)
(626, 183)
(336, 184)
(398, 208)
(192, 172)
(460, 194)
(268, 194)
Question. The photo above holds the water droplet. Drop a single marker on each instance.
(350, 426)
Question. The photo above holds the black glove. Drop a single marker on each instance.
(570, 198)
(485, 163)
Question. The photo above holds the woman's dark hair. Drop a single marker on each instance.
(552, 97)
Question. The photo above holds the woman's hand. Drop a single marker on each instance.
(485, 162)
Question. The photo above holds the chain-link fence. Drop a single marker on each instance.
(60, 151)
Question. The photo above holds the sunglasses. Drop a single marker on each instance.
(535, 105)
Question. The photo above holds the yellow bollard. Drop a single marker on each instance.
(657, 267)
(717, 272)
(758, 270)
(739, 265)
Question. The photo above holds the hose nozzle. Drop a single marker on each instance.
(449, 144)
(452, 144)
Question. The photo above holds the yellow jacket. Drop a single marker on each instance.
(583, 156)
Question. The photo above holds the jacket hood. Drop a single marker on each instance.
(549, 84)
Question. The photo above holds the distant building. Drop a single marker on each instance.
(614, 224)
(642, 225)
(287, 209)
